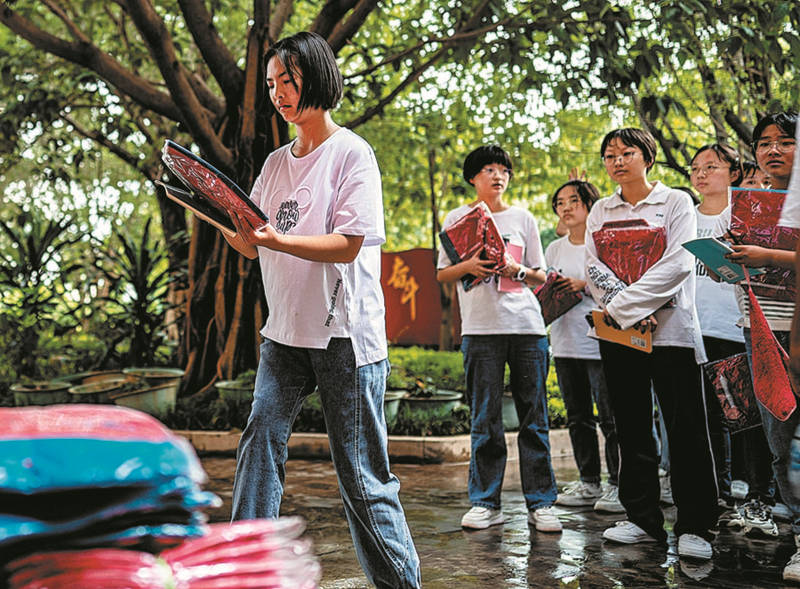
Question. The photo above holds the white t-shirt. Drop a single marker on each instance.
(669, 279)
(334, 189)
(484, 309)
(778, 313)
(568, 337)
(715, 301)
(790, 214)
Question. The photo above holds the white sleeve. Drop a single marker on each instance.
(534, 256)
(359, 204)
(790, 214)
(664, 279)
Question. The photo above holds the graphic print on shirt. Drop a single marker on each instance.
(700, 267)
(288, 216)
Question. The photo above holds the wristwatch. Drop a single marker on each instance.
(520, 276)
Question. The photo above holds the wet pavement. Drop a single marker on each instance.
(512, 555)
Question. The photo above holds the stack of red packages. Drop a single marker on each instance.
(629, 248)
(554, 302)
(259, 554)
(754, 219)
(472, 233)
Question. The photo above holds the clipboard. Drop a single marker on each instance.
(631, 337)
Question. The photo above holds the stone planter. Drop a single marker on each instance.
(438, 403)
(155, 376)
(42, 392)
(235, 391)
(99, 391)
(157, 400)
(391, 405)
(510, 417)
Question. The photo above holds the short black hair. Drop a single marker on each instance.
(633, 137)
(727, 154)
(786, 121)
(749, 167)
(587, 192)
(482, 156)
(308, 56)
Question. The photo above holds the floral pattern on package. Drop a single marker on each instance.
(474, 232)
(554, 302)
(630, 247)
(733, 386)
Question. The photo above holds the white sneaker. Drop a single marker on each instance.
(480, 518)
(609, 502)
(791, 572)
(754, 516)
(544, 519)
(781, 512)
(579, 493)
(693, 546)
(626, 532)
(666, 487)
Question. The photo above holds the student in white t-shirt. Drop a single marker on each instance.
(661, 300)
(577, 358)
(320, 263)
(499, 327)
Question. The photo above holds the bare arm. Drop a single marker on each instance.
(332, 247)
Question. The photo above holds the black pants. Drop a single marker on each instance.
(717, 349)
(676, 379)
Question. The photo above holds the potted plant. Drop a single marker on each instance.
(155, 391)
(238, 390)
(40, 392)
(426, 397)
(98, 391)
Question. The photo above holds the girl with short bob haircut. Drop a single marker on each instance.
(662, 301)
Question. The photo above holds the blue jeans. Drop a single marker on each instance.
(779, 437)
(583, 385)
(485, 358)
(352, 402)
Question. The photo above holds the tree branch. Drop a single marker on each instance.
(330, 15)
(343, 31)
(62, 15)
(216, 54)
(280, 15)
(100, 138)
(91, 57)
(162, 49)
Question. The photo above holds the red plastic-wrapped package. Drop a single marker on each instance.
(733, 387)
(554, 302)
(630, 247)
(261, 554)
(754, 219)
(474, 232)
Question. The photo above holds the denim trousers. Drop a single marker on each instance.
(352, 403)
(779, 437)
(485, 358)
(583, 385)
(676, 379)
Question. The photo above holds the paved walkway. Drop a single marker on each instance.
(509, 556)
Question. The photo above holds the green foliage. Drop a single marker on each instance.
(443, 370)
(32, 304)
(431, 422)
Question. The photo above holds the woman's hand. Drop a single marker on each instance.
(567, 284)
(478, 267)
(649, 323)
(750, 255)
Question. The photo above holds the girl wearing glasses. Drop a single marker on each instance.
(774, 146)
(714, 169)
(662, 300)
